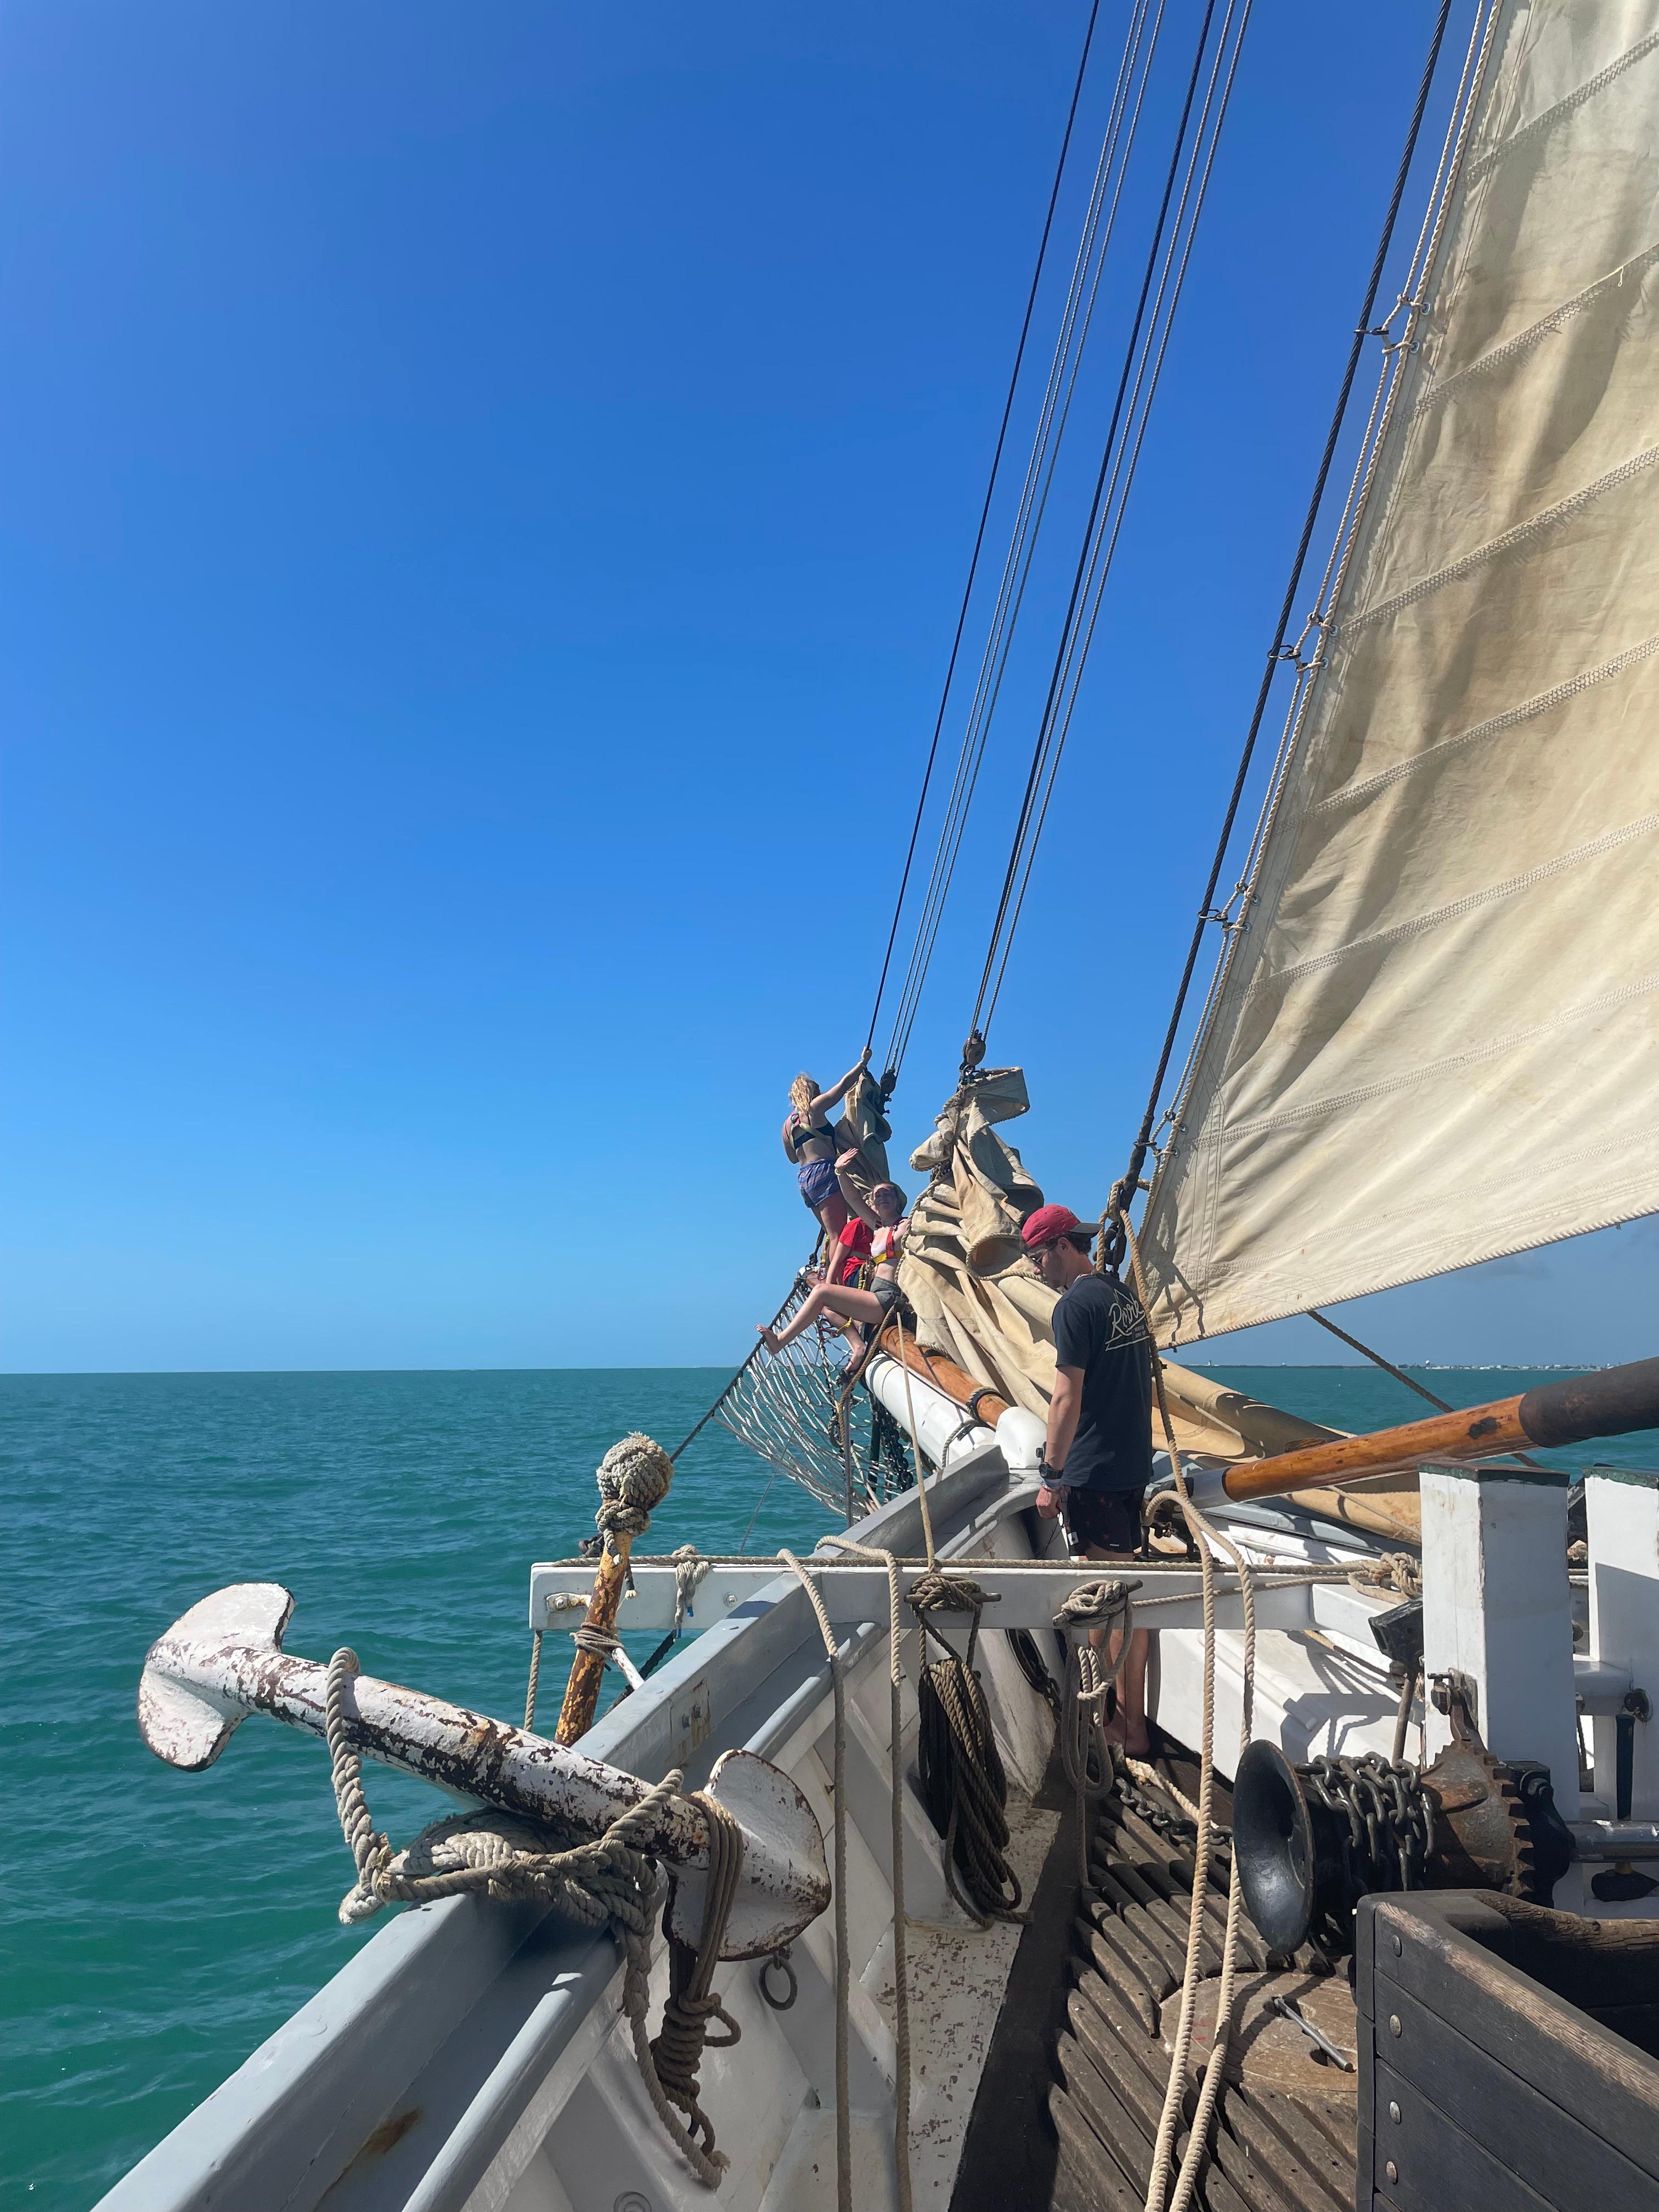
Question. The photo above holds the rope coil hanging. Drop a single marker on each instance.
(1085, 1754)
(963, 1785)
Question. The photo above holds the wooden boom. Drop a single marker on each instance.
(1610, 1404)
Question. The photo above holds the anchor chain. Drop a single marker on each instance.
(1390, 1826)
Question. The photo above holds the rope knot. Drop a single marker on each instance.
(633, 1478)
(1394, 1571)
(939, 1592)
(1095, 1605)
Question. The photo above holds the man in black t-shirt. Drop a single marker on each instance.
(1098, 1458)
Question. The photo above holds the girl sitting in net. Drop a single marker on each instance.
(883, 1213)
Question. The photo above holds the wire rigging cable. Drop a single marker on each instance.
(1169, 254)
(990, 488)
(1276, 652)
(1121, 131)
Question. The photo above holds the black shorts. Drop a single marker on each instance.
(1108, 1520)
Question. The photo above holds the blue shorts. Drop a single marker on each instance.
(817, 1183)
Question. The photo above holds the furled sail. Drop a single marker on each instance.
(975, 1298)
(1437, 1040)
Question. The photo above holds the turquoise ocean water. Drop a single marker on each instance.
(168, 1923)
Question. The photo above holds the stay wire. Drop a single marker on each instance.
(1051, 429)
(985, 511)
(1140, 416)
(1361, 331)
(1084, 555)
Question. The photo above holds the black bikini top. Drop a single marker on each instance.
(801, 1133)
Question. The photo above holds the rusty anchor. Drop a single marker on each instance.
(224, 1659)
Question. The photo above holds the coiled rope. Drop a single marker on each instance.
(963, 1785)
(676, 2052)
(613, 1877)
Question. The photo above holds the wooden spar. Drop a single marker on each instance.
(1612, 1403)
(944, 1374)
(1609, 1404)
(581, 1691)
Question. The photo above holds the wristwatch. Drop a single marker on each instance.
(1052, 1478)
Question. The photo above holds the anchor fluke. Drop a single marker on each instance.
(181, 1717)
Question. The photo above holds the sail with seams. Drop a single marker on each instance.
(1449, 955)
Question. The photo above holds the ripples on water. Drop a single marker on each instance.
(170, 1922)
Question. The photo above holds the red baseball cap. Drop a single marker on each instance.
(1048, 1224)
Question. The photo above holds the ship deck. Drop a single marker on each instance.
(1068, 2110)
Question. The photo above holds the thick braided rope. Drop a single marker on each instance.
(691, 1570)
(633, 1478)
(843, 1971)
(483, 1851)
(612, 1878)
(1394, 1571)
(534, 1683)
(895, 1790)
(1208, 1539)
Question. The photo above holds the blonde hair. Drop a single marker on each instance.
(802, 1091)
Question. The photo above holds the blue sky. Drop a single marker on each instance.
(485, 494)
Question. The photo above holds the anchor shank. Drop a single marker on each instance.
(461, 1750)
(224, 1659)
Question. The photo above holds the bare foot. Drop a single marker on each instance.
(1132, 1736)
(768, 1337)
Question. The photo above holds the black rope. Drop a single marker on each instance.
(984, 517)
(1131, 346)
(1275, 653)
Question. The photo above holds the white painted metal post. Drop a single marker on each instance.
(1497, 1607)
(1621, 1508)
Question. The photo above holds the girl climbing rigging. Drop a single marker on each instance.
(810, 1142)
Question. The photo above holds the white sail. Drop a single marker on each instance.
(1438, 1038)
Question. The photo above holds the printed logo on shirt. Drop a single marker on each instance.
(1127, 1322)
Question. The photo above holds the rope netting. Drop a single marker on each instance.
(803, 1412)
